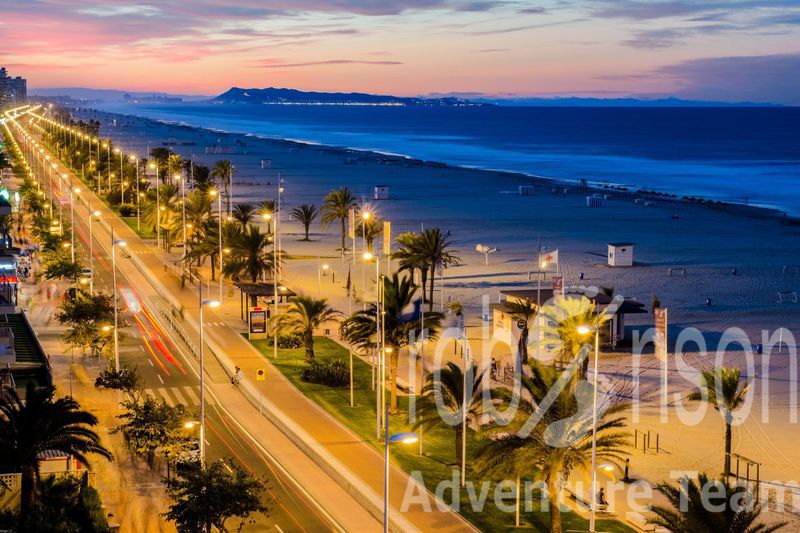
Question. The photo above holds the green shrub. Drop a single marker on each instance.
(289, 341)
(333, 374)
(127, 210)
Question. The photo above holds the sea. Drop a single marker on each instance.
(747, 155)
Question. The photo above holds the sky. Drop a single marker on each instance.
(724, 50)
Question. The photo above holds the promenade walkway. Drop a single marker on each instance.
(335, 466)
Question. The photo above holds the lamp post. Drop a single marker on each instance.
(158, 206)
(76, 190)
(380, 364)
(402, 438)
(365, 216)
(121, 174)
(107, 146)
(183, 206)
(212, 304)
(584, 330)
(216, 193)
(92, 215)
(114, 244)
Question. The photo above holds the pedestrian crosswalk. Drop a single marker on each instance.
(218, 324)
(173, 396)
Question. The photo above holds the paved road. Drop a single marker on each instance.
(166, 374)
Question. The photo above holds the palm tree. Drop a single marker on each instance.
(560, 321)
(305, 314)
(198, 212)
(433, 246)
(250, 255)
(162, 206)
(268, 207)
(370, 229)
(223, 171)
(443, 400)
(41, 423)
(409, 259)
(243, 214)
(721, 388)
(522, 311)
(174, 165)
(561, 440)
(337, 206)
(399, 320)
(305, 214)
(725, 509)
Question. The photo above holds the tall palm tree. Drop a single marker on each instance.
(522, 311)
(337, 207)
(434, 246)
(162, 206)
(370, 229)
(305, 214)
(41, 423)
(409, 259)
(268, 207)
(723, 389)
(399, 319)
(250, 255)
(243, 214)
(443, 400)
(727, 508)
(560, 442)
(560, 321)
(223, 171)
(174, 165)
(198, 212)
(305, 314)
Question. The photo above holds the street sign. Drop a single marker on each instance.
(261, 375)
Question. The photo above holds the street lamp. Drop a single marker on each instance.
(212, 304)
(585, 330)
(398, 438)
(76, 190)
(92, 215)
(183, 206)
(380, 398)
(158, 205)
(215, 194)
(114, 244)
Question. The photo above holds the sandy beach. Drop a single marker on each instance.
(485, 207)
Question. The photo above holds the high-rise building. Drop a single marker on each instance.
(13, 91)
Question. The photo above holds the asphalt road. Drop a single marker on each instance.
(166, 373)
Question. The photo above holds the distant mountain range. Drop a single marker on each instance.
(272, 95)
(577, 101)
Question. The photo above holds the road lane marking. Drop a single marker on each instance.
(167, 397)
(177, 393)
(192, 395)
(160, 379)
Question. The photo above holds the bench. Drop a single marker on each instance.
(638, 521)
(676, 272)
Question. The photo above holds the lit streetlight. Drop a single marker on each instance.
(585, 330)
(397, 438)
(114, 244)
(212, 304)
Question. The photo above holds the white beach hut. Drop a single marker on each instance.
(620, 254)
(381, 192)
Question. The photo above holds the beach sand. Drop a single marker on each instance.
(484, 207)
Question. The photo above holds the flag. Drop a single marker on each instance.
(547, 259)
(387, 238)
(348, 281)
(351, 226)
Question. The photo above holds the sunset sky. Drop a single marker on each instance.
(729, 50)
